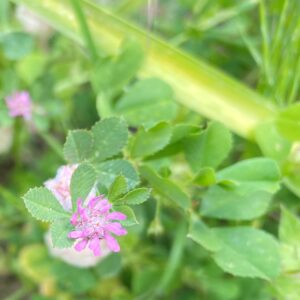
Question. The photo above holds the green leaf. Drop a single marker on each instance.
(263, 173)
(131, 218)
(104, 106)
(118, 188)
(35, 262)
(31, 67)
(167, 188)
(76, 281)
(59, 233)
(203, 235)
(287, 287)
(110, 136)
(241, 251)
(82, 182)
(111, 75)
(78, 146)
(109, 266)
(205, 177)
(42, 205)
(109, 170)
(209, 148)
(271, 143)
(247, 252)
(290, 241)
(179, 132)
(235, 204)
(17, 44)
(255, 182)
(288, 123)
(148, 95)
(137, 196)
(147, 142)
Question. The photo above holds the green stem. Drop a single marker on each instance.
(85, 29)
(174, 258)
(197, 85)
(17, 141)
(52, 143)
(266, 43)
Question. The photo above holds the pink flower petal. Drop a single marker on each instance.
(116, 228)
(81, 245)
(19, 104)
(74, 219)
(79, 205)
(105, 209)
(94, 201)
(100, 204)
(83, 215)
(75, 234)
(116, 216)
(112, 243)
(94, 245)
(87, 232)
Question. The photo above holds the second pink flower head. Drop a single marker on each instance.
(19, 104)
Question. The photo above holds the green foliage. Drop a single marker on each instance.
(117, 188)
(34, 262)
(254, 183)
(209, 148)
(73, 279)
(134, 197)
(290, 241)
(247, 252)
(272, 144)
(59, 233)
(43, 205)
(165, 187)
(168, 151)
(110, 136)
(16, 45)
(82, 182)
(148, 102)
(148, 142)
(205, 177)
(79, 146)
(128, 211)
(107, 172)
(126, 64)
(32, 67)
(288, 122)
(241, 251)
(105, 82)
(109, 266)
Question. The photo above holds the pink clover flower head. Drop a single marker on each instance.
(19, 104)
(95, 222)
(60, 186)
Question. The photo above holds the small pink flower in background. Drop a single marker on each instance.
(95, 222)
(19, 104)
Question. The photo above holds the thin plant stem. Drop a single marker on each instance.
(174, 259)
(52, 143)
(279, 32)
(17, 142)
(266, 42)
(85, 29)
